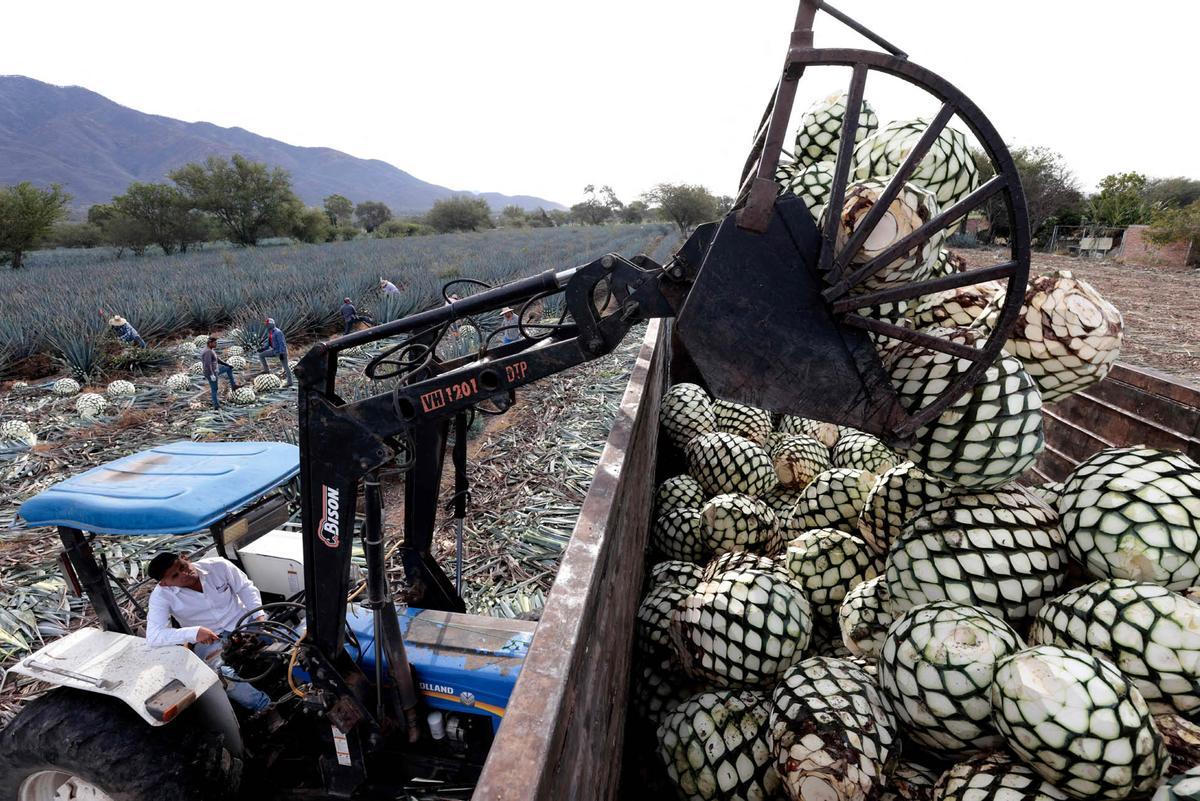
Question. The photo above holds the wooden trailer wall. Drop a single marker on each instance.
(563, 730)
(1131, 406)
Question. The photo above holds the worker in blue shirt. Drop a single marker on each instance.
(276, 345)
(350, 316)
(126, 332)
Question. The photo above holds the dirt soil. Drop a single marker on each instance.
(1161, 306)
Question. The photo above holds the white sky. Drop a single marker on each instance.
(542, 97)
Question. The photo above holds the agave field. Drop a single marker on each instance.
(57, 306)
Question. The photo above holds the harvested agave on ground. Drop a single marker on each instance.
(686, 411)
(818, 136)
(243, 396)
(811, 185)
(1134, 513)
(65, 386)
(912, 208)
(936, 670)
(121, 390)
(1079, 723)
(1149, 632)
(994, 776)
(90, 404)
(728, 463)
(735, 522)
(832, 734)
(960, 307)
(864, 618)
(797, 459)
(268, 382)
(714, 746)
(744, 625)
(948, 170)
(834, 499)
(825, 433)
(782, 500)
(894, 498)
(678, 491)
(828, 564)
(1001, 551)
(177, 382)
(987, 437)
(1066, 335)
(17, 432)
(677, 534)
(745, 421)
(948, 263)
(861, 451)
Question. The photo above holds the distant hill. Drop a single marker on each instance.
(95, 148)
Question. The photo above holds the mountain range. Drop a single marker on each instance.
(95, 147)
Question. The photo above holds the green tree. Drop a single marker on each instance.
(371, 214)
(1119, 201)
(460, 213)
(1176, 225)
(1171, 193)
(595, 210)
(513, 216)
(395, 229)
(26, 215)
(635, 212)
(164, 211)
(340, 209)
(74, 235)
(249, 198)
(686, 205)
(313, 225)
(1051, 190)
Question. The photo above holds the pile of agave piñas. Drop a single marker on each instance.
(828, 619)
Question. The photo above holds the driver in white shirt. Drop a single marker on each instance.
(207, 598)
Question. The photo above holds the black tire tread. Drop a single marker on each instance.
(102, 740)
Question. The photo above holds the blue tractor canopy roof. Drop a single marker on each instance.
(176, 488)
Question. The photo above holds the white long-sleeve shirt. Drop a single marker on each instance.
(227, 595)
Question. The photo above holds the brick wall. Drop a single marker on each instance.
(1137, 249)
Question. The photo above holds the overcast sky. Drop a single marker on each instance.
(544, 96)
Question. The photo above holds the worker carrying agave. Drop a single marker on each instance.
(213, 368)
(126, 332)
(275, 345)
(207, 598)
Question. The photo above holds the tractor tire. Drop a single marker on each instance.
(99, 740)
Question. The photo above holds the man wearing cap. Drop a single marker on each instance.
(126, 332)
(207, 598)
(213, 368)
(350, 316)
(508, 322)
(276, 345)
(387, 287)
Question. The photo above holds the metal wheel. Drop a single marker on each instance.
(54, 785)
(847, 276)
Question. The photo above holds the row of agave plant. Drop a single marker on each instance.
(60, 308)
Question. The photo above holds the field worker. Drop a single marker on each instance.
(350, 316)
(207, 598)
(275, 345)
(126, 332)
(213, 367)
(387, 287)
(508, 322)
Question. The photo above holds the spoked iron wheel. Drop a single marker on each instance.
(851, 252)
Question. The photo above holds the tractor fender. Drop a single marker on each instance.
(157, 683)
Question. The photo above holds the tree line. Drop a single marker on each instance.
(244, 202)
(1053, 197)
